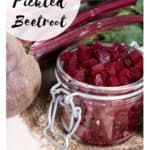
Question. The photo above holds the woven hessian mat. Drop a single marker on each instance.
(36, 118)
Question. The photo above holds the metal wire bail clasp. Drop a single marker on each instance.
(134, 44)
(61, 96)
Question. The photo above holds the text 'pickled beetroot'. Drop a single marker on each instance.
(99, 65)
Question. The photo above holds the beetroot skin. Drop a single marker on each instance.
(23, 77)
(104, 66)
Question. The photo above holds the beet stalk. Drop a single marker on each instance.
(100, 9)
(91, 13)
(82, 32)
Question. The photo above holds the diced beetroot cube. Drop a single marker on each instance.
(128, 62)
(123, 51)
(104, 74)
(79, 74)
(123, 80)
(71, 64)
(98, 80)
(114, 54)
(120, 124)
(135, 56)
(104, 57)
(125, 72)
(136, 74)
(133, 124)
(136, 107)
(84, 112)
(85, 137)
(94, 136)
(113, 81)
(120, 65)
(139, 65)
(112, 68)
(89, 63)
(124, 54)
(87, 109)
(66, 56)
(135, 116)
(121, 118)
(117, 133)
(84, 53)
(98, 68)
(84, 107)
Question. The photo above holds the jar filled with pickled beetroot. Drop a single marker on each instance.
(99, 93)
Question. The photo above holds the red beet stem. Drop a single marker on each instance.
(93, 12)
(82, 32)
(100, 9)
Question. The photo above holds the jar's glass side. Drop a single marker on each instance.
(106, 122)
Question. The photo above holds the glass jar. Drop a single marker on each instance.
(94, 115)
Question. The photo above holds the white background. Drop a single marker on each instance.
(19, 137)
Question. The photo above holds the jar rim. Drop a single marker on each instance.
(135, 85)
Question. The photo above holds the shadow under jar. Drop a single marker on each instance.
(109, 115)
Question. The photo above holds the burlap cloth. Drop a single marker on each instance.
(35, 117)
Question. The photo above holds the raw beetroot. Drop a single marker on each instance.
(23, 77)
(104, 66)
